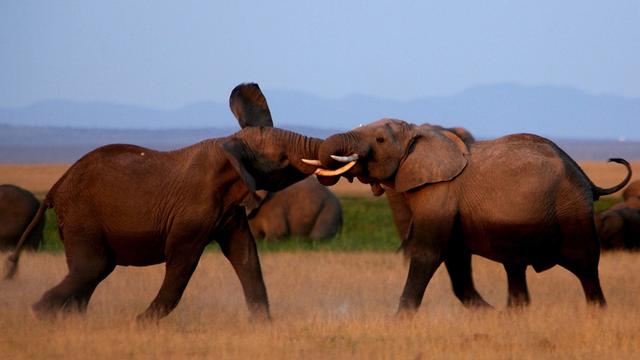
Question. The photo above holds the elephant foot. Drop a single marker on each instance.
(518, 302)
(44, 312)
(406, 309)
(259, 313)
(147, 318)
(477, 304)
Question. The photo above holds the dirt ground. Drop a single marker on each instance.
(40, 177)
(326, 305)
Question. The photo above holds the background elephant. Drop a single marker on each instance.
(128, 205)
(17, 207)
(304, 209)
(518, 200)
(631, 194)
(619, 228)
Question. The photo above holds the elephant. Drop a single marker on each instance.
(458, 268)
(619, 228)
(631, 194)
(133, 206)
(304, 209)
(17, 207)
(518, 200)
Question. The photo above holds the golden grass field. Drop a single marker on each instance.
(326, 305)
(40, 177)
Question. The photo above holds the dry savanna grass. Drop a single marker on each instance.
(40, 177)
(326, 305)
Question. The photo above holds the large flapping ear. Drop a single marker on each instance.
(431, 157)
(234, 150)
(249, 106)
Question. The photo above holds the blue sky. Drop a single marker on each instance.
(165, 54)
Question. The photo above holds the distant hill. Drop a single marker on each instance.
(20, 144)
(488, 111)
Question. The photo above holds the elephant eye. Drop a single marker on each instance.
(380, 139)
(282, 158)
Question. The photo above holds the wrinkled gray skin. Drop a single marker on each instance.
(17, 207)
(518, 200)
(128, 205)
(304, 209)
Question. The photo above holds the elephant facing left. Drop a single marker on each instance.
(129, 205)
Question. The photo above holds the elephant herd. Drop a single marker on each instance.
(518, 200)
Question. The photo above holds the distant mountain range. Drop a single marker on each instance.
(488, 111)
(20, 144)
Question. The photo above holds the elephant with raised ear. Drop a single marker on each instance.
(305, 209)
(129, 205)
(518, 200)
(17, 207)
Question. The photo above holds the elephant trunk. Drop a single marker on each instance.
(345, 144)
(337, 150)
(303, 147)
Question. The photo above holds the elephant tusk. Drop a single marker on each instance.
(345, 159)
(312, 162)
(325, 172)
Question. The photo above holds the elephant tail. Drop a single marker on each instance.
(11, 265)
(597, 191)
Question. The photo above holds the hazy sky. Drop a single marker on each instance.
(166, 54)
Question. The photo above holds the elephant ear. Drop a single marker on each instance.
(431, 157)
(249, 106)
(235, 152)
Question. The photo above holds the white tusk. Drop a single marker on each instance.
(325, 172)
(312, 162)
(345, 159)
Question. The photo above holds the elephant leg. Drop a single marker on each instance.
(517, 280)
(180, 265)
(583, 263)
(88, 266)
(421, 270)
(239, 246)
(458, 265)
(589, 279)
(427, 239)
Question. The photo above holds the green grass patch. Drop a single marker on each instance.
(50, 235)
(605, 202)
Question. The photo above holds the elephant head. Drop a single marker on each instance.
(266, 158)
(393, 153)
